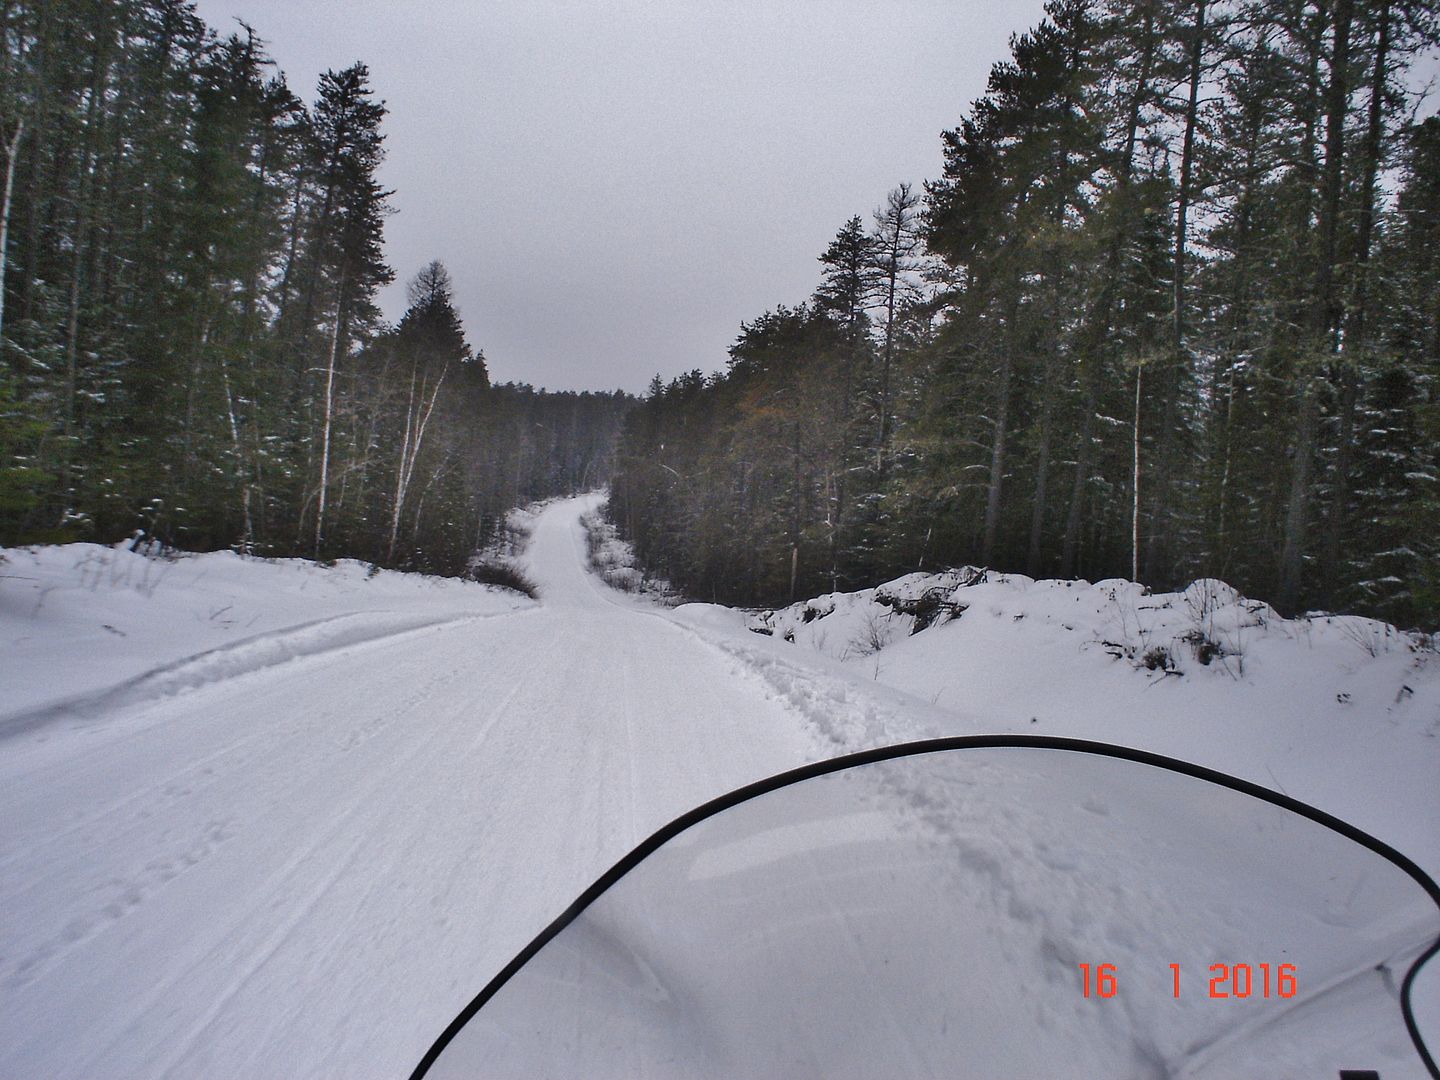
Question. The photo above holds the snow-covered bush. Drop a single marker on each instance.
(613, 560)
(497, 563)
(876, 632)
(503, 574)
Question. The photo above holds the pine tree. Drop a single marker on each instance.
(428, 343)
(344, 262)
(895, 248)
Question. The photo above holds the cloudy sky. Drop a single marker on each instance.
(616, 184)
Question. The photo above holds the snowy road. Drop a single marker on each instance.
(307, 870)
(264, 818)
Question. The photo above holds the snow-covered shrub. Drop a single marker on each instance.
(1158, 658)
(863, 623)
(124, 565)
(497, 562)
(613, 560)
(502, 573)
(1371, 636)
(1205, 648)
(514, 533)
(876, 632)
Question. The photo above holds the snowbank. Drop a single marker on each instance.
(1336, 710)
(86, 627)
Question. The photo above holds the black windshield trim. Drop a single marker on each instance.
(930, 746)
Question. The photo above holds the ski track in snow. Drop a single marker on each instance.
(303, 853)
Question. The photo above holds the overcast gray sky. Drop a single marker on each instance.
(616, 184)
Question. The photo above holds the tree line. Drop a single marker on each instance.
(1172, 310)
(192, 349)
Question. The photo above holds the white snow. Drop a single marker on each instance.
(264, 818)
(1341, 712)
(84, 620)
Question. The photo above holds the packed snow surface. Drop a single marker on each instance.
(267, 818)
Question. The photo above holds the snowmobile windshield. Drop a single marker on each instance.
(975, 907)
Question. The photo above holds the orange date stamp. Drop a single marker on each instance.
(1227, 981)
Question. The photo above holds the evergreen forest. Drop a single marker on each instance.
(192, 350)
(1171, 311)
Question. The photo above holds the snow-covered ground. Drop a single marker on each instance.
(267, 819)
(1341, 712)
(83, 623)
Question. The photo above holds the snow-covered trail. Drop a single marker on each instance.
(308, 869)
